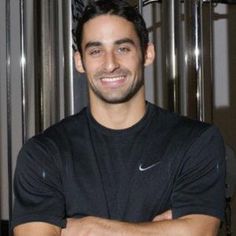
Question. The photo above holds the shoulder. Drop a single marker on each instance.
(64, 130)
(67, 125)
(55, 141)
(176, 123)
(183, 133)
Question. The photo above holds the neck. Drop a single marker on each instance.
(119, 116)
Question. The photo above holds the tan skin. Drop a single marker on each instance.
(113, 63)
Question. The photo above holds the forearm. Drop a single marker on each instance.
(116, 228)
(194, 226)
(178, 227)
(37, 229)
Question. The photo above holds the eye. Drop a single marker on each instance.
(95, 52)
(123, 50)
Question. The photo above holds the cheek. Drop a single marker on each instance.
(90, 68)
(135, 61)
(134, 65)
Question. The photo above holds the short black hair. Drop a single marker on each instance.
(113, 7)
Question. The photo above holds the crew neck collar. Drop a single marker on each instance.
(132, 129)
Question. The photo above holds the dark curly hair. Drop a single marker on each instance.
(113, 7)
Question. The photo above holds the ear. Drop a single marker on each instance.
(149, 55)
(78, 62)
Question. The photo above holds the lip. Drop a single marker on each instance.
(113, 81)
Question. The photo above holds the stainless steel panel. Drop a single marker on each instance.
(171, 44)
(49, 109)
(140, 6)
(9, 104)
(193, 58)
(68, 58)
(23, 68)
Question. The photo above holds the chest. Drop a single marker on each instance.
(119, 179)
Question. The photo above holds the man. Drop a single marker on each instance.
(122, 166)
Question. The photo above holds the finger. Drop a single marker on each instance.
(167, 215)
(63, 233)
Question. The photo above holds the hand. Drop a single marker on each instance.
(97, 226)
(167, 215)
(87, 226)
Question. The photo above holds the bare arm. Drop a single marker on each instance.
(194, 225)
(37, 229)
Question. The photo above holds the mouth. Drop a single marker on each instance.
(113, 79)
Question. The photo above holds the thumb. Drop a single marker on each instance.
(167, 215)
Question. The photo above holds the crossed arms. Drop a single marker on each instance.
(209, 192)
(162, 225)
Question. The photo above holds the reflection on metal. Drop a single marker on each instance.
(23, 68)
(207, 63)
(170, 39)
(49, 95)
(205, 1)
(193, 59)
(140, 6)
(146, 2)
(68, 58)
(140, 3)
(9, 105)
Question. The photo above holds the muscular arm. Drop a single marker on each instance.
(37, 229)
(195, 225)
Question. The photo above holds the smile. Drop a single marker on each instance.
(113, 79)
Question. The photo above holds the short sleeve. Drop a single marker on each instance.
(200, 184)
(37, 185)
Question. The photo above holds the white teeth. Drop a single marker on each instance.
(109, 79)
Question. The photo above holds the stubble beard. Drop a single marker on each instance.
(123, 94)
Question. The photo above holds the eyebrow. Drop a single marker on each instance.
(125, 40)
(92, 44)
(117, 42)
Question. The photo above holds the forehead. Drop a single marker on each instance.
(108, 28)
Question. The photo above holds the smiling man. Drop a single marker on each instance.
(122, 166)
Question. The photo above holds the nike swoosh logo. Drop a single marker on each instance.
(141, 168)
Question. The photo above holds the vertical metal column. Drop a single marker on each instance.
(193, 59)
(171, 40)
(206, 95)
(140, 6)
(23, 65)
(46, 66)
(48, 53)
(68, 58)
(9, 106)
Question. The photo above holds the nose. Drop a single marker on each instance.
(111, 63)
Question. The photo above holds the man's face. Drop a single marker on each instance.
(112, 58)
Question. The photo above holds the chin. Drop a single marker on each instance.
(117, 100)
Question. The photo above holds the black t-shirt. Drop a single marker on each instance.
(79, 168)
